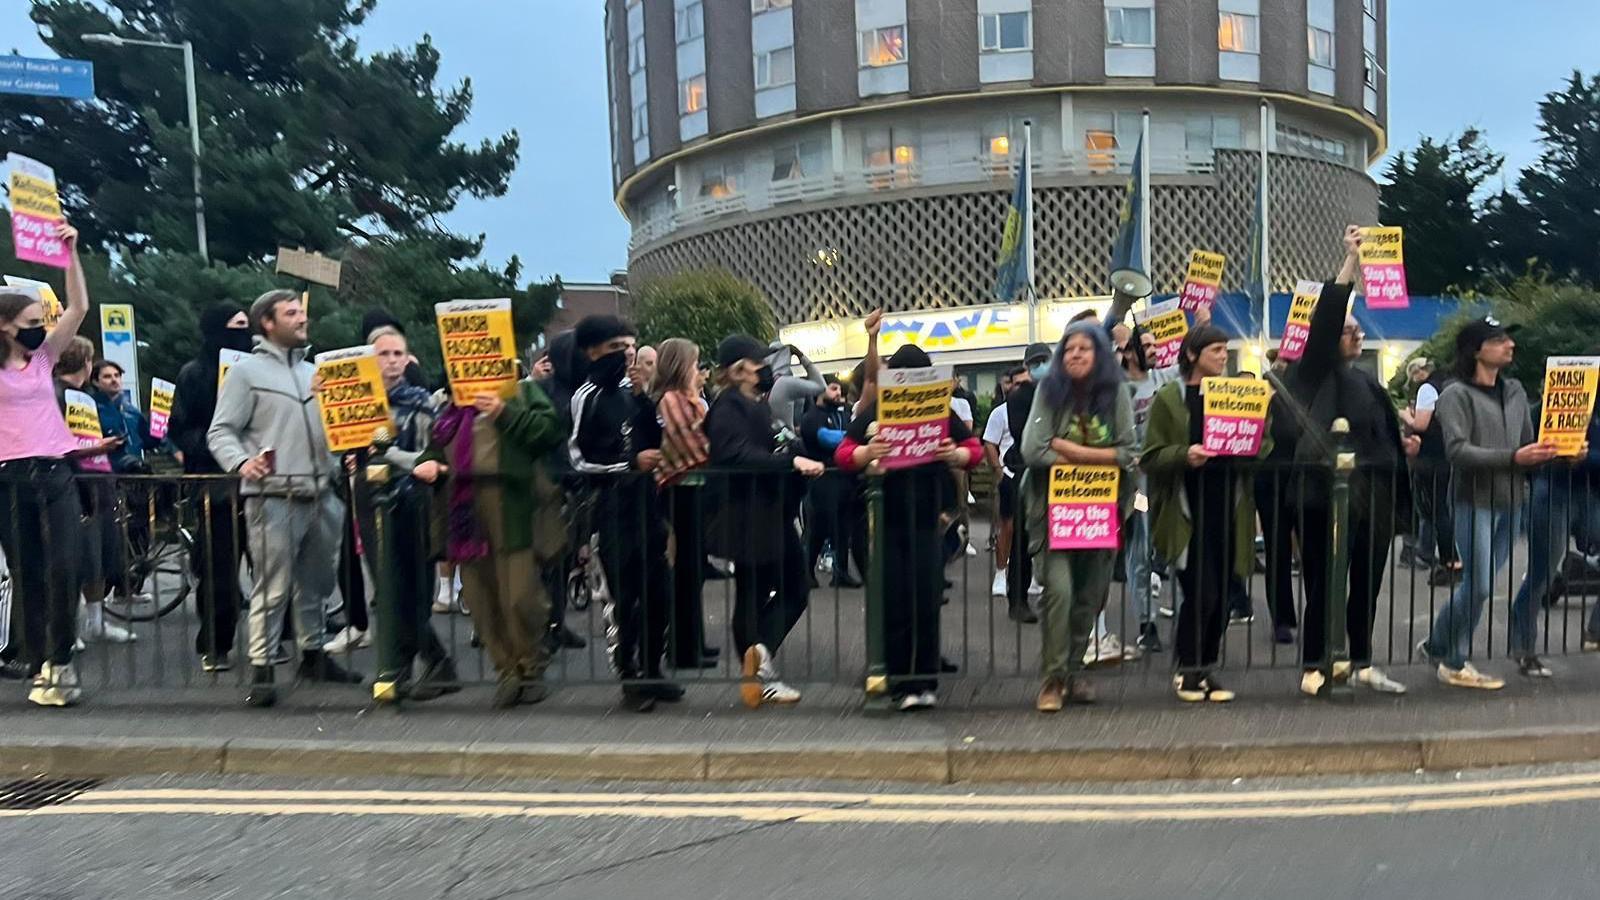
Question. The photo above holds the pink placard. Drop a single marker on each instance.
(1293, 346)
(101, 463)
(1084, 526)
(913, 445)
(1233, 435)
(36, 242)
(1385, 285)
(158, 424)
(1196, 296)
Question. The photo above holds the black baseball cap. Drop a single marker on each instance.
(1478, 332)
(735, 347)
(1035, 352)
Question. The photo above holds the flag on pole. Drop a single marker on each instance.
(1129, 274)
(1256, 281)
(1015, 266)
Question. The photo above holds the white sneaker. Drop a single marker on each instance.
(998, 588)
(56, 686)
(778, 692)
(1108, 651)
(1469, 677)
(1375, 678)
(78, 645)
(971, 550)
(95, 629)
(1035, 589)
(1311, 682)
(348, 639)
(930, 699)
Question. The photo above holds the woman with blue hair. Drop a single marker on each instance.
(1081, 416)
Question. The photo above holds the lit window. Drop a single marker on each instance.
(692, 94)
(636, 55)
(904, 154)
(691, 22)
(775, 68)
(1319, 43)
(883, 46)
(1370, 70)
(718, 182)
(758, 6)
(1000, 145)
(1005, 31)
(1128, 26)
(641, 120)
(1237, 33)
(1102, 149)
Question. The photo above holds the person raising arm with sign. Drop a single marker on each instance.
(38, 502)
(1082, 415)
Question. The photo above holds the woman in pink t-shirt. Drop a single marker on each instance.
(38, 502)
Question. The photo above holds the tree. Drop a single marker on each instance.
(704, 306)
(307, 143)
(1554, 220)
(1430, 192)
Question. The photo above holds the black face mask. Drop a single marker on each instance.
(31, 338)
(765, 379)
(607, 371)
(237, 339)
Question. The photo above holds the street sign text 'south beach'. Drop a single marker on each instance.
(69, 79)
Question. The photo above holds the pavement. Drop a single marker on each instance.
(1523, 832)
(150, 710)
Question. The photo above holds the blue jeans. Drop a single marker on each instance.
(1561, 508)
(1484, 536)
(1137, 559)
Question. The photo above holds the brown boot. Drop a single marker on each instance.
(1051, 695)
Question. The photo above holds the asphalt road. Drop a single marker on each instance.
(1526, 833)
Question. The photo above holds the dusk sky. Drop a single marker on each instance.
(538, 66)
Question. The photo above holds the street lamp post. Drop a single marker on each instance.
(187, 48)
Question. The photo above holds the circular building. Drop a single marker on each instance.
(845, 155)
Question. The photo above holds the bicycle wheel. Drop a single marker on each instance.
(168, 582)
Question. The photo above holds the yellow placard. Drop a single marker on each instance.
(352, 398)
(41, 291)
(161, 396)
(34, 196)
(1084, 484)
(1382, 244)
(1206, 267)
(225, 361)
(480, 349)
(1297, 329)
(1570, 383)
(83, 420)
(1246, 398)
(913, 413)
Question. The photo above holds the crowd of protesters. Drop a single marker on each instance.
(662, 461)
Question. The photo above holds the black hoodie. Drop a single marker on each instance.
(194, 399)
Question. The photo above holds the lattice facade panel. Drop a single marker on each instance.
(912, 250)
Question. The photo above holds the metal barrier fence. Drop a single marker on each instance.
(177, 556)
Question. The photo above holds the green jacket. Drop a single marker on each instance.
(531, 502)
(1045, 425)
(1165, 462)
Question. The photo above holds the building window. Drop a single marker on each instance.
(692, 94)
(718, 181)
(636, 55)
(1203, 134)
(691, 22)
(1304, 143)
(641, 120)
(1001, 32)
(882, 149)
(1319, 43)
(1130, 26)
(1239, 33)
(1370, 69)
(883, 46)
(761, 6)
(775, 67)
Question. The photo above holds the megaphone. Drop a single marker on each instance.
(1132, 281)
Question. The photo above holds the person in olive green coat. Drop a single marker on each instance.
(1081, 416)
(1203, 507)
(500, 523)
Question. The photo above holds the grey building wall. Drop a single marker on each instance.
(1283, 46)
(944, 46)
(661, 74)
(730, 72)
(1186, 42)
(825, 61)
(1348, 81)
(1069, 42)
(617, 75)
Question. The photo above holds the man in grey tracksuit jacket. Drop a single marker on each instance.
(1490, 442)
(292, 515)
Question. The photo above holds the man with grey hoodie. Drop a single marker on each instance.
(1490, 442)
(268, 430)
(788, 391)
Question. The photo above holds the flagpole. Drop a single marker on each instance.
(1027, 233)
(1266, 234)
(1144, 191)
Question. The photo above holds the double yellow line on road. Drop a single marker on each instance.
(817, 807)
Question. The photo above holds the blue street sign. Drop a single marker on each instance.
(69, 79)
